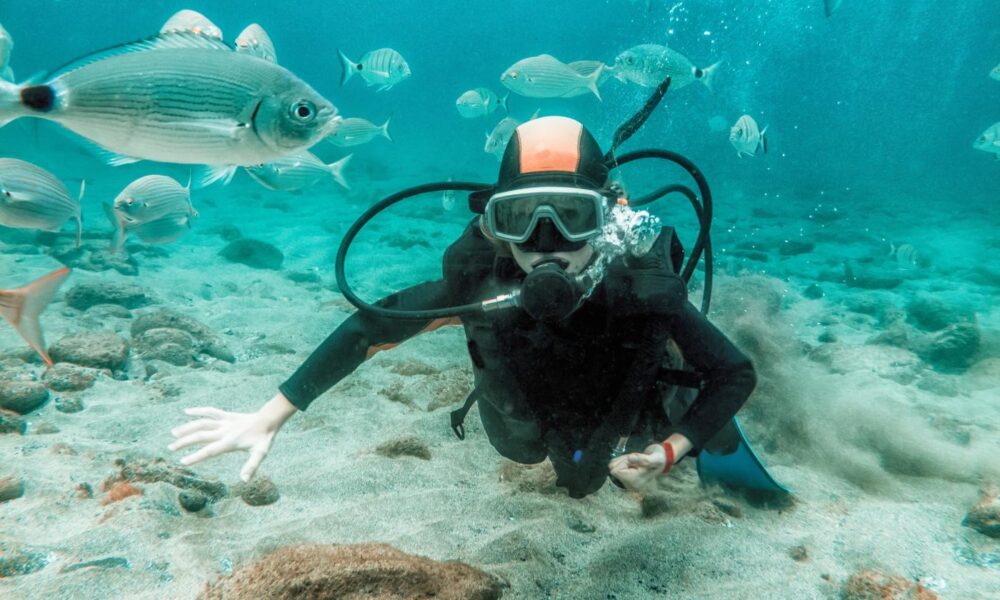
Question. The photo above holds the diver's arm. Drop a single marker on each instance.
(359, 337)
(728, 374)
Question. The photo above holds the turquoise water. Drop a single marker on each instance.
(861, 406)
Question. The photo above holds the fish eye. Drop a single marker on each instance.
(303, 110)
(513, 74)
(629, 60)
(130, 200)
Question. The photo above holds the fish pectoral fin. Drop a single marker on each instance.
(114, 159)
(228, 128)
(213, 173)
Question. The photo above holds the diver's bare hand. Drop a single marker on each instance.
(638, 470)
(220, 431)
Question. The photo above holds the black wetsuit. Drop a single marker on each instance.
(566, 390)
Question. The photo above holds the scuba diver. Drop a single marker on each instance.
(584, 346)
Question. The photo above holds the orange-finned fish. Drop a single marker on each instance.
(22, 306)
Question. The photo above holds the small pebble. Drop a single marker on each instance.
(192, 501)
(10, 488)
(69, 405)
(799, 553)
(260, 491)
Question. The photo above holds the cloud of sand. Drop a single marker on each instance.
(857, 426)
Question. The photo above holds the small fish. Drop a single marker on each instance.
(545, 76)
(906, 254)
(298, 171)
(254, 41)
(649, 64)
(155, 207)
(33, 198)
(448, 197)
(995, 73)
(747, 138)
(193, 21)
(187, 98)
(21, 308)
(989, 140)
(830, 7)
(383, 67)
(479, 102)
(6, 46)
(355, 131)
(496, 140)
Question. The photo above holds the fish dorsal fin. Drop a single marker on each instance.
(163, 41)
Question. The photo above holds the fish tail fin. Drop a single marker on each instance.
(503, 102)
(10, 102)
(592, 81)
(117, 227)
(337, 169)
(346, 67)
(28, 303)
(385, 129)
(708, 73)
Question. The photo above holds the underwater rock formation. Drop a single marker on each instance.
(202, 339)
(874, 585)
(404, 446)
(91, 293)
(985, 516)
(98, 349)
(353, 572)
(66, 377)
(253, 253)
(22, 397)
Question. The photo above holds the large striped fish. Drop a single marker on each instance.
(180, 98)
(21, 308)
(33, 198)
(545, 76)
(154, 207)
(298, 171)
(383, 67)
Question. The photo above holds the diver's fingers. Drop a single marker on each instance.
(206, 411)
(213, 449)
(250, 466)
(199, 437)
(193, 426)
(637, 459)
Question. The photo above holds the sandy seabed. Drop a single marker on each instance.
(884, 453)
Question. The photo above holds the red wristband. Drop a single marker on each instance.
(669, 449)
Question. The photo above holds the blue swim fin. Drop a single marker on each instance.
(736, 465)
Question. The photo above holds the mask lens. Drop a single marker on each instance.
(577, 214)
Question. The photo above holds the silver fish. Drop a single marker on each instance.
(747, 138)
(989, 140)
(830, 7)
(907, 255)
(298, 171)
(193, 21)
(22, 306)
(354, 131)
(33, 198)
(545, 76)
(6, 46)
(496, 140)
(383, 67)
(587, 68)
(649, 64)
(254, 41)
(154, 207)
(479, 102)
(995, 73)
(181, 98)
